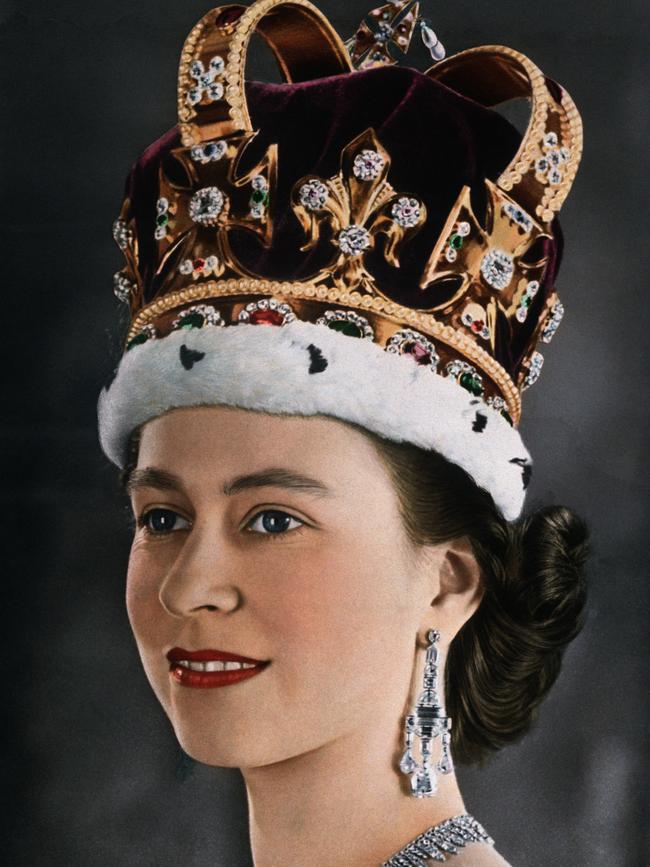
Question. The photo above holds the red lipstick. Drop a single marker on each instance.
(205, 669)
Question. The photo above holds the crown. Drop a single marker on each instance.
(218, 201)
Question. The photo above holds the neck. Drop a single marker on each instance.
(344, 804)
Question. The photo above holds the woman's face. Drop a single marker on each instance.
(277, 539)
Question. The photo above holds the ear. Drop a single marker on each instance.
(460, 590)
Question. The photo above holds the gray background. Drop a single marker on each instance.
(94, 776)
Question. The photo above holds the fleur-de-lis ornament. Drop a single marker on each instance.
(358, 203)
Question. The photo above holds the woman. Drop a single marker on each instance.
(327, 506)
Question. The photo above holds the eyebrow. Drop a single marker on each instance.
(276, 477)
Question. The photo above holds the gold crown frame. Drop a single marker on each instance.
(493, 262)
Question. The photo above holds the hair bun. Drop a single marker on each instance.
(533, 607)
(548, 587)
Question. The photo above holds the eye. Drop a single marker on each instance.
(161, 521)
(273, 522)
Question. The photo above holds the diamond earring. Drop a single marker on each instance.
(427, 721)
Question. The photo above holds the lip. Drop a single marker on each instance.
(210, 679)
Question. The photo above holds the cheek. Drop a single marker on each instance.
(341, 614)
(147, 617)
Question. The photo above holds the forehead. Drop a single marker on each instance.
(225, 441)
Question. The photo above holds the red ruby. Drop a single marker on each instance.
(266, 317)
(477, 325)
(420, 353)
(199, 264)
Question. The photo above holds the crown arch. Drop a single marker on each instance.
(541, 173)
(303, 41)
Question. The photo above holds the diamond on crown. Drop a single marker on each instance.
(162, 218)
(497, 403)
(456, 240)
(406, 212)
(353, 240)
(122, 287)
(313, 195)
(122, 235)
(199, 267)
(205, 81)
(367, 165)
(197, 316)
(518, 216)
(532, 288)
(474, 318)
(466, 375)
(209, 152)
(547, 167)
(534, 369)
(147, 332)
(259, 197)
(551, 326)
(267, 311)
(406, 341)
(347, 322)
(497, 268)
(205, 205)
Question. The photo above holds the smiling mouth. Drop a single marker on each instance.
(205, 669)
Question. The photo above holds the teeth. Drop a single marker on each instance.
(214, 665)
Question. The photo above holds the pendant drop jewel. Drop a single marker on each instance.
(436, 48)
(427, 722)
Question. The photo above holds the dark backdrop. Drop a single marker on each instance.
(94, 776)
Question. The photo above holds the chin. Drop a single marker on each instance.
(219, 750)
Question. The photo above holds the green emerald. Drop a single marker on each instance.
(162, 219)
(142, 337)
(471, 383)
(456, 241)
(526, 300)
(259, 197)
(345, 327)
(192, 320)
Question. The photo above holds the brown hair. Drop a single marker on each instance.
(507, 656)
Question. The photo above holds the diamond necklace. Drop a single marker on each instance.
(439, 841)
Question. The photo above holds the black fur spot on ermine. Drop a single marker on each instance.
(526, 470)
(189, 357)
(480, 421)
(318, 362)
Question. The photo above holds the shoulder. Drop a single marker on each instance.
(477, 855)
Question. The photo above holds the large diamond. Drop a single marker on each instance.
(406, 212)
(313, 195)
(353, 240)
(206, 205)
(367, 165)
(497, 268)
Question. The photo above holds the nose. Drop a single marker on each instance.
(199, 579)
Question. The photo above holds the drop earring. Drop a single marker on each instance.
(427, 721)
